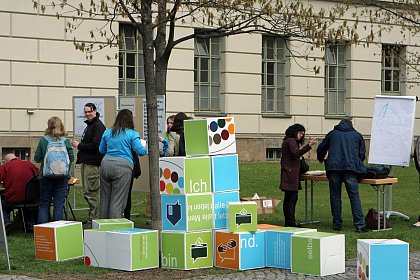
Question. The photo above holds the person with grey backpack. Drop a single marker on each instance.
(55, 154)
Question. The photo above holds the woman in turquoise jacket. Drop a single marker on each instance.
(117, 165)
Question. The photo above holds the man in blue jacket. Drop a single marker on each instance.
(344, 163)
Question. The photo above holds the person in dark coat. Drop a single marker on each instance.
(90, 158)
(346, 153)
(290, 167)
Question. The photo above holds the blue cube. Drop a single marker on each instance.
(220, 206)
(225, 173)
(278, 246)
(187, 212)
(382, 259)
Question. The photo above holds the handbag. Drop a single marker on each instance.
(371, 219)
(304, 166)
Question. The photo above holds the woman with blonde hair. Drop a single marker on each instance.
(55, 154)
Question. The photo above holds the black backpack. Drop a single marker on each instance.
(377, 172)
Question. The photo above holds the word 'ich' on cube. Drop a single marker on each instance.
(318, 253)
(187, 250)
(382, 259)
(187, 212)
(221, 204)
(182, 175)
(239, 250)
(112, 224)
(225, 173)
(278, 245)
(123, 249)
(58, 241)
(242, 216)
(212, 136)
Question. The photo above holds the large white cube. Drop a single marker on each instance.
(382, 259)
(318, 253)
(126, 249)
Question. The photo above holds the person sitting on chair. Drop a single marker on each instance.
(14, 174)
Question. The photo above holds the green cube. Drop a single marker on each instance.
(318, 253)
(187, 250)
(112, 224)
(242, 216)
(58, 241)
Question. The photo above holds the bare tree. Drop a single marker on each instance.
(156, 22)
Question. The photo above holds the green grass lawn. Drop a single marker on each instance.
(261, 178)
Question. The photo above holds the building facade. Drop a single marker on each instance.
(266, 82)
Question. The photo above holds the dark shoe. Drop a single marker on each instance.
(8, 228)
(362, 230)
(87, 225)
(337, 228)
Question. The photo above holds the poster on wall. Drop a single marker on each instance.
(79, 115)
(161, 117)
(128, 103)
(392, 130)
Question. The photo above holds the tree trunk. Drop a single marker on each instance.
(152, 114)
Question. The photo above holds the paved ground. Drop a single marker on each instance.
(282, 274)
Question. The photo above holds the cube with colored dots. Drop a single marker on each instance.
(212, 136)
(382, 259)
(182, 175)
(187, 212)
(186, 250)
(239, 250)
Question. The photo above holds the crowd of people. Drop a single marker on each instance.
(109, 163)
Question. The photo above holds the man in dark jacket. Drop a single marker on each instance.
(90, 158)
(346, 153)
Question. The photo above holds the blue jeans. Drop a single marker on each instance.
(350, 179)
(55, 190)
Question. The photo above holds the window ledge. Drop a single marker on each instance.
(338, 117)
(274, 115)
(210, 114)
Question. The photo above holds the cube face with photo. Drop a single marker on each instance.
(59, 241)
(212, 136)
(187, 250)
(318, 253)
(242, 217)
(225, 173)
(112, 224)
(383, 259)
(181, 175)
(278, 245)
(240, 251)
(187, 212)
(221, 206)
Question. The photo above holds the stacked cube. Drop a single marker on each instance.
(195, 191)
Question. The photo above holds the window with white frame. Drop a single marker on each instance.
(131, 80)
(391, 71)
(335, 80)
(272, 75)
(207, 74)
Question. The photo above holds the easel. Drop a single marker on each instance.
(3, 237)
(389, 212)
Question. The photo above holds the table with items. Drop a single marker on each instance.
(378, 184)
